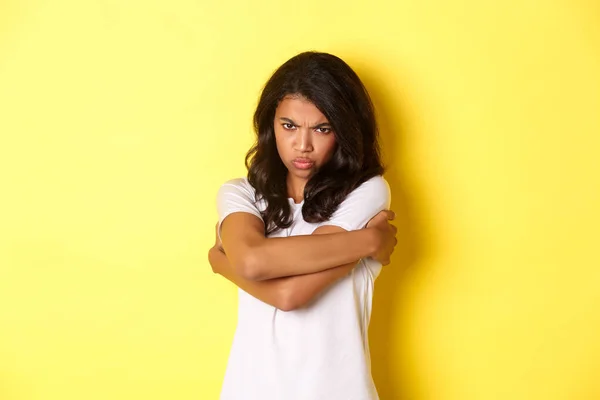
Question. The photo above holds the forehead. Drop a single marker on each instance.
(299, 108)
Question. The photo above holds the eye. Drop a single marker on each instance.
(288, 126)
(324, 130)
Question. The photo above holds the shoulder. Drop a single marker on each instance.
(362, 204)
(237, 195)
(237, 187)
(239, 191)
(375, 189)
(376, 184)
(238, 183)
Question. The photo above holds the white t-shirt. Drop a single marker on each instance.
(319, 352)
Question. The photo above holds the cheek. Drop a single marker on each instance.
(328, 147)
(282, 144)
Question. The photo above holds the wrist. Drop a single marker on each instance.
(371, 241)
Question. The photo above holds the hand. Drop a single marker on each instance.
(386, 235)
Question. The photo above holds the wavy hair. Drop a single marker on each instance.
(336, 90)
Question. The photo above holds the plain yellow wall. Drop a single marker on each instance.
(120, 119)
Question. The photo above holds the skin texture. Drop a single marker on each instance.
(289, 272)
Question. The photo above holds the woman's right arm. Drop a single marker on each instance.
(286, 294)
(255, 257)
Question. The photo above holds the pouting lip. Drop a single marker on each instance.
(303, 160)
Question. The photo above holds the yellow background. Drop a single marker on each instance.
(120, 119)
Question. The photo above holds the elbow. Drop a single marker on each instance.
(287, 305)
(290, 299)
(249, 267)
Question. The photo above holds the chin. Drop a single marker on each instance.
(302, 174)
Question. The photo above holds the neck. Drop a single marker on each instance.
(295, 188)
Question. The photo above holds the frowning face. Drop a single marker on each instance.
(305, 139)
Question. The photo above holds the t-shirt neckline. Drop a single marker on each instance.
(294, 204)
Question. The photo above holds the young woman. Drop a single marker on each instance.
(304, 237)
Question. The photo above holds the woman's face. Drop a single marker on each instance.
(305, 140)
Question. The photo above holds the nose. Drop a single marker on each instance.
(303, 141)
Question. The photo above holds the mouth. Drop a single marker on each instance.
(303, 163)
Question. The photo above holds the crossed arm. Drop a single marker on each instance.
(288, 273)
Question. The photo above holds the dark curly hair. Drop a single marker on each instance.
(335, 89)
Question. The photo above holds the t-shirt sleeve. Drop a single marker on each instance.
(235, 196)
(362, 204)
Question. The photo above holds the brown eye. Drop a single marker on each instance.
(288, 126)
(324, 130)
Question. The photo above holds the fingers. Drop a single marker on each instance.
(381, 218)
(389, 214)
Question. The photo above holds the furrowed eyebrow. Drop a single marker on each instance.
(321, 125)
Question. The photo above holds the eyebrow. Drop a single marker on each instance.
(321, 125)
